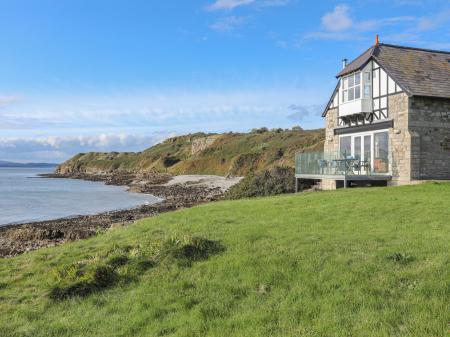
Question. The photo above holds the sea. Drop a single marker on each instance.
(26, 197)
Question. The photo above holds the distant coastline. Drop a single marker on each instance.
(25, 165)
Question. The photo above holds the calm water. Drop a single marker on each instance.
(25, 198)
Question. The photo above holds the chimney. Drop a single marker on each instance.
(344, 63)
(377, 41)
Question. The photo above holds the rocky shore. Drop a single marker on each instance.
(177, 192)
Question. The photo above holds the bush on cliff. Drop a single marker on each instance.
(274, 181)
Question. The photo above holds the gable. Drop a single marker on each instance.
(420, 72)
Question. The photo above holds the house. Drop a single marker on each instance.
(387, 121)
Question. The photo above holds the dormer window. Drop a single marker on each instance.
(351, 87)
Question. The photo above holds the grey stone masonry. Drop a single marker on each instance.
(331, 145)
(429, 124)
(399, 140)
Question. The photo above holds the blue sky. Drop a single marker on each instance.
(94, 75)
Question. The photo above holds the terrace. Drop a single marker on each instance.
(318, 166)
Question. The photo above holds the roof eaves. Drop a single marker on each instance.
(343, 73)
(350, 67)
(324, 113)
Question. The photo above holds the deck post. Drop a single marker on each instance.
(296, 185)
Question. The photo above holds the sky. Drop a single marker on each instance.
(103, 75)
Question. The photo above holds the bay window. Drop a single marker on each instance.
(351, 87)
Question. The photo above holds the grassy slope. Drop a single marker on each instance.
(236, 153)
(318, 264)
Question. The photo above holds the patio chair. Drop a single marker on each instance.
(356, 167)
(323, 164)
(366, 166)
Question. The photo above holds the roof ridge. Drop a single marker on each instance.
(362, 54)
(415, 48)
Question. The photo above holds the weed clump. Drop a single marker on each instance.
(401, 258)
(198, 249)
(121, 265)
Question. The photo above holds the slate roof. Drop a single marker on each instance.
(419, 72)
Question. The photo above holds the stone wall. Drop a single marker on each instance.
(399, 140)
(429, 124)
(331, 145)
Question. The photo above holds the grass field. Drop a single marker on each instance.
(357, 262)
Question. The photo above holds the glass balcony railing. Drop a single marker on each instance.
(319, 163)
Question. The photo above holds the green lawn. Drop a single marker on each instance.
(357, 262)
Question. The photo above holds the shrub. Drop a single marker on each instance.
(275, 181)
(260, 130)
(169, 161)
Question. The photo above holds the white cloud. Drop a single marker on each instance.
(228, 23)
(8, 100)
(144, 108)
(340, 25)
(63, 147)
(338, 20)
(232, 4)
(65, 124)
(228, 4)
(433, 21)
(300, 112)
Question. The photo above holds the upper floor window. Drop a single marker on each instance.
(367, 84)
(351, 87)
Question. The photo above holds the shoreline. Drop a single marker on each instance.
(176, 192)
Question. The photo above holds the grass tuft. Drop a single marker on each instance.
(401, 258)
(125, 264)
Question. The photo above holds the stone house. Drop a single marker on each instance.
(387, 121)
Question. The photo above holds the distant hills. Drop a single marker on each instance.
(12, 164)
(223, 154)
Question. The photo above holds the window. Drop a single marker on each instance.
(357, 147)
(345, 146)
(367, 84)
(351, 87)
(381, 152)
(368, 148)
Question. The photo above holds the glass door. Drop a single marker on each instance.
(361, 151)
(370, 149)
(381, 155)
(357, 147)
(366, 161)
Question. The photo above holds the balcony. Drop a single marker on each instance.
(319, 165)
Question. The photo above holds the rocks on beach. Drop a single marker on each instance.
(176, 192)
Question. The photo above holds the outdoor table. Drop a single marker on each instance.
(347, 164)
